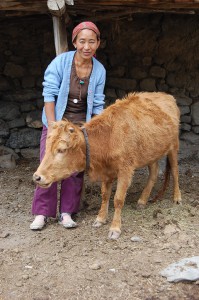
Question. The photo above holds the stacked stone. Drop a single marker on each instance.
(26, 49)
(21, 105)
(154, 81)
(156, 53)
(20, 123)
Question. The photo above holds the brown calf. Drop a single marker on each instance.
(132, 133)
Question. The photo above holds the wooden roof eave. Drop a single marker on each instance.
(99, 10)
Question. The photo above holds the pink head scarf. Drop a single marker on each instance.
(85, 25)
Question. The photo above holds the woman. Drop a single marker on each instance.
(73, 89)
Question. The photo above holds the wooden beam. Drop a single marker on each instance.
(165, 3)
(60, 35)
(69, 2)
(97, 8)
(15, 5)
(11, 14)
(100, 13)
(41, 5)
(97, 17)
(32, 5)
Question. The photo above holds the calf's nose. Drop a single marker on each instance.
(36, 178)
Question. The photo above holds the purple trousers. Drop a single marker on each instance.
(45, 200)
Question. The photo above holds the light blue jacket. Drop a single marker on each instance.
(57, 83)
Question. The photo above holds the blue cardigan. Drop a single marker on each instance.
(57, 83)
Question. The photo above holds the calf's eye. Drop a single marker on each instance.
(61, 150)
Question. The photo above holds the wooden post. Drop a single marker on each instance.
(58, 10)
(56, 7)
(60, 36)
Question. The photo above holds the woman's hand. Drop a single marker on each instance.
(49, 129)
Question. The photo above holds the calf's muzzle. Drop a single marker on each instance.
(36, 178)
(41, 180)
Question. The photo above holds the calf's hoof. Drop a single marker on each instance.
(140, 206)
(113, 234)
(177, 201)
(97, 223)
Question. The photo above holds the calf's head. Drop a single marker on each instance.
(64, 155)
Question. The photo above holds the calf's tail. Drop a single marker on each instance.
(165, 183)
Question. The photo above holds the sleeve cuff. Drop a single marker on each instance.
(49, 99)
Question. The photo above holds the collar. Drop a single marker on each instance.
(87, 148)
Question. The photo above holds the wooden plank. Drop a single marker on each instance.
(60, 35)
(116, 15)
(132, 2)
(29, 5)
(90, 7)
(69, 2)
(40, 6)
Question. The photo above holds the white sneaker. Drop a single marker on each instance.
(38, 223)
(66, 220)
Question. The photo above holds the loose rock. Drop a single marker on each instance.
(4, 234)
(186, 269)
(95, 266)
(136, 239)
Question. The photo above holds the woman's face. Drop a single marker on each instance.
(86, 43)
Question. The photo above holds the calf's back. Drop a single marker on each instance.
(137, 130)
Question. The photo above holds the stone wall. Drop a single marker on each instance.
(26, 48)
(154, 52)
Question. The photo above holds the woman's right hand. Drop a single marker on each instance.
(49, 129)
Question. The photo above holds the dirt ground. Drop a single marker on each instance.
(82, 263)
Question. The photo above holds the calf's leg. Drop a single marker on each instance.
(123, 183)
(103, 213)
(173, 160)
(153, 174)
